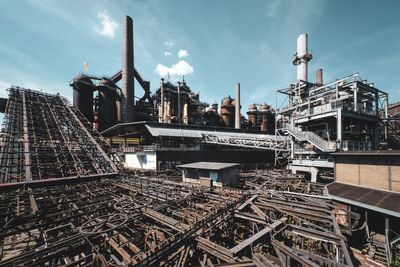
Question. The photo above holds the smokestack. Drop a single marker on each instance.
(302, 57)
(128, 89)
(237, 107)
(320, 80)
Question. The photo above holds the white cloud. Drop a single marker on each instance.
(108, 25)
(167, 53)
(176, 70)
(169, 43)
(183, 53)
(3, 88)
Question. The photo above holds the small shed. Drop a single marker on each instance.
(210, 173)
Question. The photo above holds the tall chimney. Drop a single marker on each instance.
(320, 80)
(302, 57)
(128, 84)
(237, 107)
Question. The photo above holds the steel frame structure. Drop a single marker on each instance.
(44, 138)
(280, 143)
(132, 221)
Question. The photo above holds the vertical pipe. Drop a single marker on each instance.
(386, 114)
(169, 112)
(320, 79)
(237, 107)
(355, 93)
(185, 114)
(165, 112)
(179, 102)
(118, 104)
(162, 100)
(339, 129)
(128, 89)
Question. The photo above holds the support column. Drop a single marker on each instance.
(355, 91)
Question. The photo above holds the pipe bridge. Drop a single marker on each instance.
(267, 142)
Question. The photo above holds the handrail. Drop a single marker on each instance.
(311, 137)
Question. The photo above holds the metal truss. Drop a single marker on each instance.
(44, 138)
(268, 143)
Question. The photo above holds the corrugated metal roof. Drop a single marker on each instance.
(208, 165)
(379, 200)
(197, 133)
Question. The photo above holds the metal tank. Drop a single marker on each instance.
(265, 109)
(227, 112)
(252, 116)
(83, 88)
(107, 103)
(268, 119)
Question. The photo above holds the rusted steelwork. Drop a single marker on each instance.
(132, 221)
(44, 138)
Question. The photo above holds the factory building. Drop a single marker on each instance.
(322, 118)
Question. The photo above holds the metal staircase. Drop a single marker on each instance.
(311, 137)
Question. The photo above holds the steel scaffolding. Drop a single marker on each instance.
(44, 138)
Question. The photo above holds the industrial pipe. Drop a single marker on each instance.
(186, 114)
(161, 112)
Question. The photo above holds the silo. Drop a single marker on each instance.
(107, 103)
(83, 88)
(264, 109)
(252, 115)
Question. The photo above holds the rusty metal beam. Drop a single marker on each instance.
(256, 237)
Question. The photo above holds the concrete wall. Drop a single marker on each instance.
(378, 172)
(145, 161)
(229, 176)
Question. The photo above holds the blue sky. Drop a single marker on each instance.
(45, 43)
